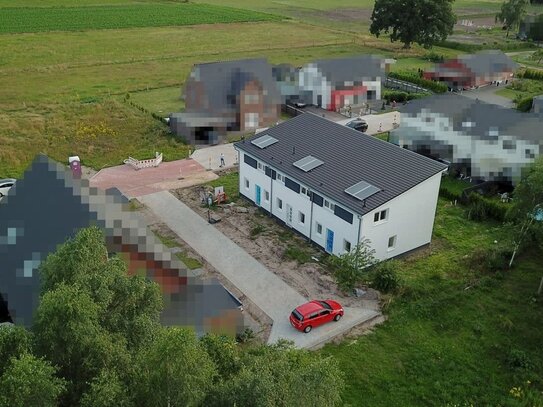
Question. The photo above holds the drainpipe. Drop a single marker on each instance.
(359, 228)
(311, 216)
(271, 191)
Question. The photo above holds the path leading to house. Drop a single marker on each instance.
(269, 292)
(488, 94)
(377, 123)
(210, 157)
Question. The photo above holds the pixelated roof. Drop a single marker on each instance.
(48, 206)
(340, 70)
(484, 117)
(222, 80)
(349, 157)
(485, 62)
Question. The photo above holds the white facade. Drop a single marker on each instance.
(408, 218)
(505, 154)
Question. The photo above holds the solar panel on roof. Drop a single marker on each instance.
(362, 190)
(308, 163)
(264, 141)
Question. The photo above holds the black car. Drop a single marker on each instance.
(358, 124)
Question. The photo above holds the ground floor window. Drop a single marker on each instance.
(301, 217)
(246, 183)
(266, 196)
(391, 242)
(318, 226)
(280, 203)
(346, 245)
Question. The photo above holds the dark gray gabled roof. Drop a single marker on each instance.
(222, 81)
(488, 62)
(357, 68)
(349, 157)
(485, 118)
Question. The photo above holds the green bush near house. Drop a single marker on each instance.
(385, 277)
(400, 97)
(483, 208)
(436, 87)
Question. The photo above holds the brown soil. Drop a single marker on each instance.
(311, 279)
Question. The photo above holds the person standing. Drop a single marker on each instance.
(222, 160)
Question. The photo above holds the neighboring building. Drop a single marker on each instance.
(338, 186)
(467, 71)
(481, 140)
(537, 104)
(227, 96)
(334, 84)
(531, 28)
(48, 206)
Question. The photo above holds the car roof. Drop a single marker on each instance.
(309, 307)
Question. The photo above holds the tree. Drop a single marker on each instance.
(536, 31)
(14, 342)
(174, 371)
(511, 13)
(527, 210)
(29, 381)
(538, 55)
(350, 268)
(424, 22)
(106, 390)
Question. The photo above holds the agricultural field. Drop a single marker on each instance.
(456, 335)
(40, 19)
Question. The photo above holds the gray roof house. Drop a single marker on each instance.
(48, 206)
(482, 140)
(226, 96)
(334, 180)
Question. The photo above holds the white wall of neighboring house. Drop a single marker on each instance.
(374, 86)
(311, 79)
(410, 216)
(486, 157)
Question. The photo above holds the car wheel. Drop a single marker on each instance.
(307, 329)
(337, 317)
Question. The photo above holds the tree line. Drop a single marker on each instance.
(97, 341)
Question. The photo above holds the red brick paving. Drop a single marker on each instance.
(145, 181)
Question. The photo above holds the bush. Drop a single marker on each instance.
(295, 253)
(400, 96)
(525, 104)
(436, 87)
(518, 359)
(482, 208)
(434, 57)
(492, 259)
(531, 74)
(385, 276)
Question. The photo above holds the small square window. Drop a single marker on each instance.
(301, 217)
(259, 165)
(246, 183)
(380, 216)
(319, 228)
(304, 190)
(346, 245)
(376, 217)
(279, 203)
(391, 242)
(266, 196)
(326, 203)
(529, 153)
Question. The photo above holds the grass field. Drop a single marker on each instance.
(161, 101)
(39, 19)
(455, 336)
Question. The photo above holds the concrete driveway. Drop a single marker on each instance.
(377, 123)
(265, 289)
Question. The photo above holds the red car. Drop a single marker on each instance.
(314, 313)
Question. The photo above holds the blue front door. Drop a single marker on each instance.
(329, 240)
(257, 198)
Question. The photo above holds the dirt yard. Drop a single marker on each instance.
(285, 253)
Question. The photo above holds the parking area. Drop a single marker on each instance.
(488, 94)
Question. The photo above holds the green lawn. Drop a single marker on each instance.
(522, 88)
(39, 19)
(454, 335)
(161, 101)
(230, 182)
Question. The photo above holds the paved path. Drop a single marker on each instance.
(488, 94)
(209, 157)
(269, 292)
(377, 123)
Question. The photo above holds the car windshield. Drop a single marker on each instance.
(297, 315)
(325, 305)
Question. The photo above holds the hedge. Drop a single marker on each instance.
(400, 96)
(436, 87)
(525, 104)
(531, 74)
(483, 208)
(510, 46)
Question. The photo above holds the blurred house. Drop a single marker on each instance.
(334, 84)
(29, 232)
(481, 140)
(227, 96)
(531, 28)
(473, 70)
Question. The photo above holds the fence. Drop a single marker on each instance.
(139, 164)
(403, 85)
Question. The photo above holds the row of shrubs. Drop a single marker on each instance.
(400, 96)
(144, 110)
(483, 208)
(436, 87)
(464, 47)
(531, 74)
(524, 104)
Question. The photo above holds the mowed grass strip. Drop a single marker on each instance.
(39, 19)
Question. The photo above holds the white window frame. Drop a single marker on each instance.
(266, 196)
(345, 243)
(247, 184)
(394, 240)
(329, 205)
(382, 215)
(279, 204)
(301, 218)
(317, 226)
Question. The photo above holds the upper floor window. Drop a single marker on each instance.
(251, 98)
(380, 216)
(251, 120)
(329, 205)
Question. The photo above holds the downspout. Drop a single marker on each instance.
(311, 216)
(271, 190)
(359, 229)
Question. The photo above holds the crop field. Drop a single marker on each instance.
(39, 19)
